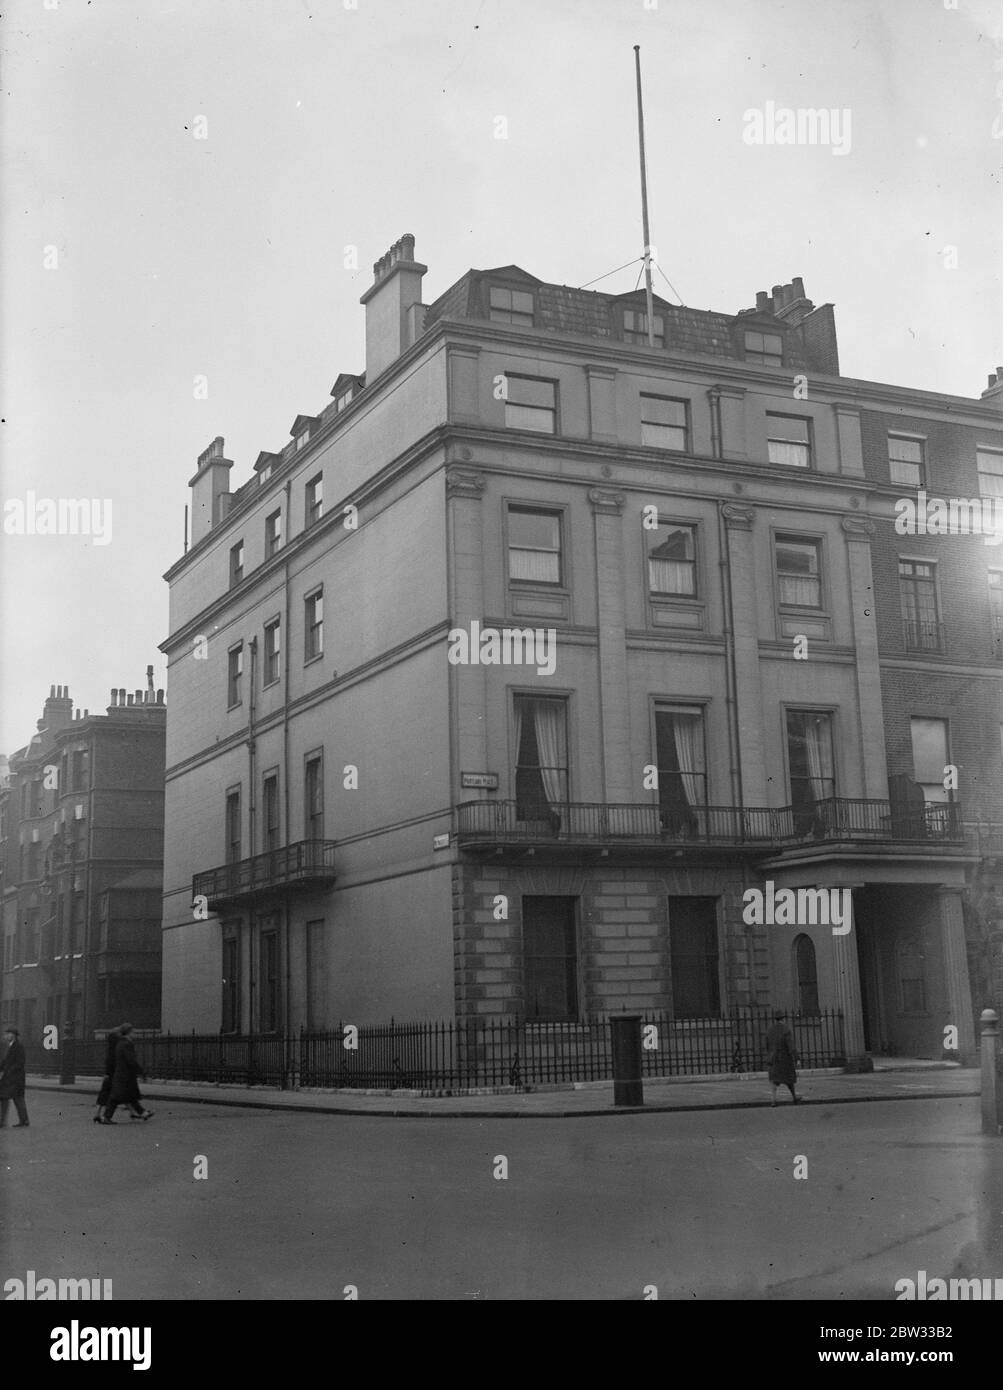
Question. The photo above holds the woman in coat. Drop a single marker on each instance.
(781, 1056)
(125, 1079)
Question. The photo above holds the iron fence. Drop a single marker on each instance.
(470, 1054)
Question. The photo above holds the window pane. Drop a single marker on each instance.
(530, 391)
(789, 455)
(534, 530)
(799, 572)
(909, 474)
(990, 472)
(929, 749)
(909, 449)
(787, 427)
(693, 943)
(671, 560)
(659, 410)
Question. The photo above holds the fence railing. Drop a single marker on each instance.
(609, 823)
(467, 1054)
(302, 864)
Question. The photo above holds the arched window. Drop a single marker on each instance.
(806, 974)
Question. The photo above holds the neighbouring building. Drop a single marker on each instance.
(81, 877)
(501, 685)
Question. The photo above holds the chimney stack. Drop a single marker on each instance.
(57, 712)
(210, 490)
(392, 306)
(994, 390)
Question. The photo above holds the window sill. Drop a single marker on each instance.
(311, 660)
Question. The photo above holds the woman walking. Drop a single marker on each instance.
(781, 1056)
(125, 1080)
(111, 1042)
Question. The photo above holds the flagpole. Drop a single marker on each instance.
(644, 203)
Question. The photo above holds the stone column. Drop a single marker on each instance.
(602, 403)
(874, 769)
(738, 522)
(621, 781)
(467, 684)
(846, 975)
(956, 984)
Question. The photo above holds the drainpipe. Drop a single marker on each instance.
(286, 661)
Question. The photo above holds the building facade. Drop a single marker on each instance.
(506, 685)
(81, 856)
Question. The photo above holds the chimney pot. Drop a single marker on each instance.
(121, 694)
(798, 287)
(992, 380)
(999, 372)
(52, 692)
(114, 696)
(160, 697)
(129, 700)
(775, 293)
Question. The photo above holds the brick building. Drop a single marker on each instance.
(498, 687)
(81, 855)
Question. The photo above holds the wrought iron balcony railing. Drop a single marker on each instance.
(307, 864)
(605, 824)
(923, 635)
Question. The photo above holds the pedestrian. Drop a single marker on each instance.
(781, 1056)
(125, 1080)
(12, 1079)
(111, 1042)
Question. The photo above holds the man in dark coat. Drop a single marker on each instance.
(781, 1056)
(110, 1043)
(125, 1079)
(12, 1079)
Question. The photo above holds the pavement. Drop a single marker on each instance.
(224, 1201)
(891, 1080)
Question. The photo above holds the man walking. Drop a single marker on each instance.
(12, 1079)
(125, 1080)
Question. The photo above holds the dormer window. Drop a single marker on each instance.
(635, 328)
(510, 306)
(301, 430)
(342, 400)
(764, 348)
(265, 473)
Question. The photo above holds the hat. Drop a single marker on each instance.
(125, 1028)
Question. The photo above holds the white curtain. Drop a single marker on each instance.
(803, 590)
(818, 746)
(686, 730)
(550, 743)
(670, 576)
(539, 565)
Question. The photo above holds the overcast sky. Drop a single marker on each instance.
(329, 127)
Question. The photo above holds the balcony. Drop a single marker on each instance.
(923, 635)
(304, 866)
(605, 826)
